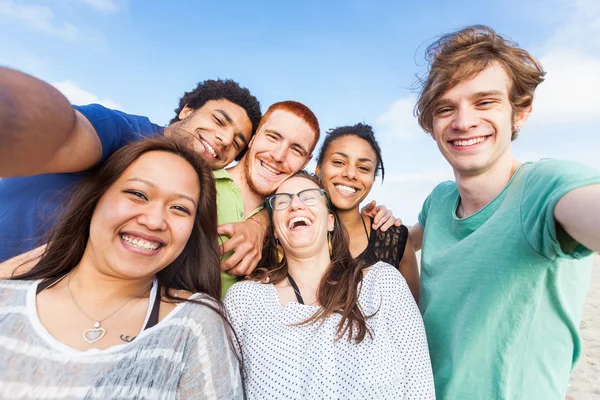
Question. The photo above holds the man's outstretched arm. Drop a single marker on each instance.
(40, 132)
(579, 214)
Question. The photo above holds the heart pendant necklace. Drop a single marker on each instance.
(96, 333)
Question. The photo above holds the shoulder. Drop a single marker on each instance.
(244, 292)
(444, 189)
(385, 276)
(552, 167)
(15, 292)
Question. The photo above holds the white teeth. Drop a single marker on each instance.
(140, 243)
(209, 148)
(299, 219)
(346, 189)
(269, 169)
(469, 142)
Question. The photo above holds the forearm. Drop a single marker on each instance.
(578, 212)
(35, 120)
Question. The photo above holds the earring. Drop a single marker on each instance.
(280, 253)
(329, 243)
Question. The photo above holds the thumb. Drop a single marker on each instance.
(225, 229)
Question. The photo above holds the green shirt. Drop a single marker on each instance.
(230, 208)
(501, 299)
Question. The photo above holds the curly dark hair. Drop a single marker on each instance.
(219, 89)
(360, 130)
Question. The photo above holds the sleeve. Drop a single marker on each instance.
(440, 191)
(211, 370)
(548, 181)
(404, 321)
(116, 128)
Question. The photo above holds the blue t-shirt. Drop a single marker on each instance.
(29, 205)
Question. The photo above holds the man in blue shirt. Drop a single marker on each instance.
(47, 145)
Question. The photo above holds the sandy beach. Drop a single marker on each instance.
(585, 380)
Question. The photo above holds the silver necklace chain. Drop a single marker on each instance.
(96, 333)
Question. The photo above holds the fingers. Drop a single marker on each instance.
(381, 216)
(243, 261)
(226, 229)
(368, 209)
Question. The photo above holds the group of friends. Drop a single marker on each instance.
(137, 263)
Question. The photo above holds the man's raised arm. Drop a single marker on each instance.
(40, 132)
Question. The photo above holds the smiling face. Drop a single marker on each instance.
(347, 171)
(473, 121)
(302, 229)
(219, 131)
(278, 150)
(144, 220)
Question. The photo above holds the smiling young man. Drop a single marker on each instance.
(283, 145)
(507, 247)
(46, 144)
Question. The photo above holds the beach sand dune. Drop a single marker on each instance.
(585, 379)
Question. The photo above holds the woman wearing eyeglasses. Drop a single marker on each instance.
(315, 323)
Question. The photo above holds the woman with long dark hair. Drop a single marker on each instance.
(124, 303)
(348, 163)
(316, 323)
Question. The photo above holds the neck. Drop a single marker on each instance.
(479, 190)
(308, 271)
(86, 279)
(352, 220)
(251, 199)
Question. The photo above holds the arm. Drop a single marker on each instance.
(21, 263)
(383, 218)
(409, 269)
(578, 212)
(246, 240)
(416, 234)
(40, 132)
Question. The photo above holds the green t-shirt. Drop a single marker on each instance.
(501, 299)
(230, 208)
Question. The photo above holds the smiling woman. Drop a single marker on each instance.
(120, 299)
(315, 323)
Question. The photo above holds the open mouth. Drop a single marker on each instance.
(210, 150)
(299, 223)
(270, 171)
(469, 142)
(139, 243)
(345, 189)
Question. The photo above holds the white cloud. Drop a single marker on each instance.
(110, 6)
(38, 18)
(398, 121)
(78, 96)
(572, 61)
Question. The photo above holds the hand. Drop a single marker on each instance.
(246, 242)
(382, 217)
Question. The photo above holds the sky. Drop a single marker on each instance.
(349, 61)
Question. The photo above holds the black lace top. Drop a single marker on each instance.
(385, 246)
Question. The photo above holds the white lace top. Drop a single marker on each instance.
(283, 361)
(186, 355)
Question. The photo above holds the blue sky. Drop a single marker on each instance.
(350, 61)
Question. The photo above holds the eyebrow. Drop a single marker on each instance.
(152, 185)
(281, 137)
(237, 134)
(477, 95)
(363, 159)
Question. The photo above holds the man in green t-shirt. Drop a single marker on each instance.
(507, 248)
(283, 145)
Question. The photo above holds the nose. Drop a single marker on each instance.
(349, 172)
(278, 153)
(465, 118)
(153, 218)
(296, 203)
(224, 137)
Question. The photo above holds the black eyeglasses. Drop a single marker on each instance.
(308, 197)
